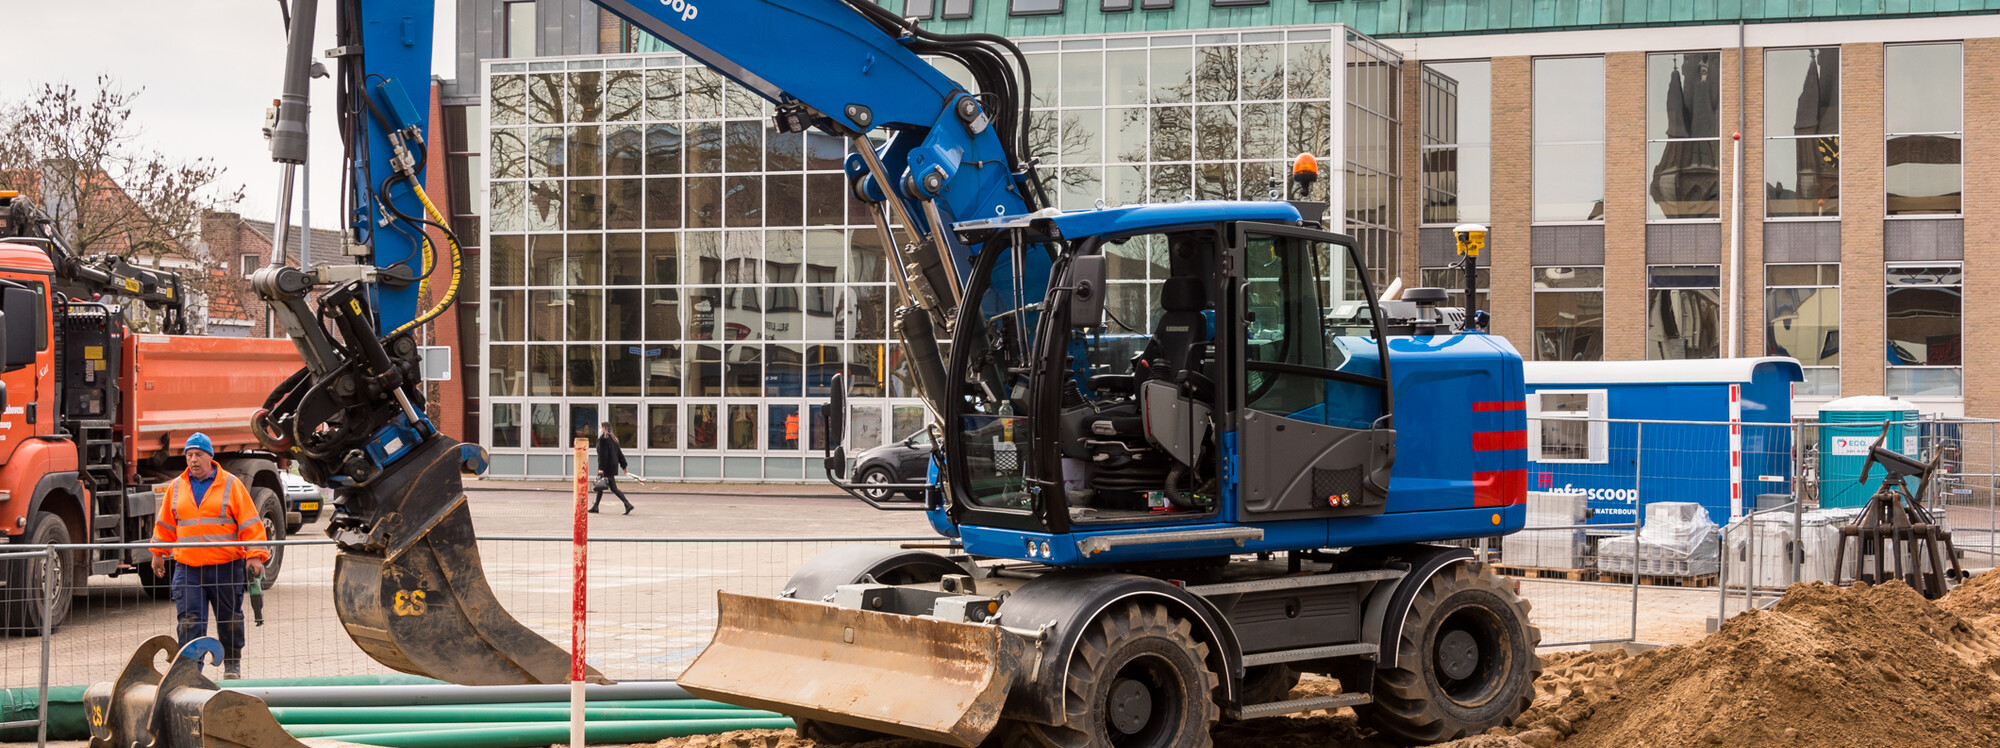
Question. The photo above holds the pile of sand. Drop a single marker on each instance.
(1826, 667)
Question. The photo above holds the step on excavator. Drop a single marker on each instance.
(1157, 521)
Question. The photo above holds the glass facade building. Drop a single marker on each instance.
(658, 257)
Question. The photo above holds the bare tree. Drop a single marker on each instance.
(77, 154)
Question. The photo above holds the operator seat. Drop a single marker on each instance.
(1181, 337)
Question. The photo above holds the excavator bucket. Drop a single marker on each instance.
(409, 587)
(905, 675)
(180, 708)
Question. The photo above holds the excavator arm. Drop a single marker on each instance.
(926, 153)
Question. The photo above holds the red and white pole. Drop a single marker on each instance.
(1735, 451)
(580, 548)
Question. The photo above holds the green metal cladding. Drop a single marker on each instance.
(1399, 18)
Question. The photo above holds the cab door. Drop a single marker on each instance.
(1312, 397)
(29, 401)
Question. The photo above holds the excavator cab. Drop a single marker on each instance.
(1236, 374)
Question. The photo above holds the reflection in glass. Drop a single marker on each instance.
(506, 371)
(1684, 307)
(1802, 177)
(507, 425)
(1684, 179)
(1569, 182)
(702, 427)
(742, 427)
(1683, 93)
(1925, 316)
(662, 426)
(545, 427)
(1802, 129)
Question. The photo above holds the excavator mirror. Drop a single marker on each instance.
(836, 428)
(1086, 291)
(17, 316)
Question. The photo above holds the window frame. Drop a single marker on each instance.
(1715, 139)
(507, 18)
(1597, 437)
(1840, 168)
(1889, 136)
(1888, 367)
(1014, 9)
(1651, 288)
(1535, 144)
(1534, 299)
(1817, 285)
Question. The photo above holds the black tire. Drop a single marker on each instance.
(1139, 679)
(1268, 683)
(271, 508)
(876, 474)
(1465, 661)
(22, 604)
(156, 588)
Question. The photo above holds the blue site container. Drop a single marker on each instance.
(1680, 461)
(1847, 427)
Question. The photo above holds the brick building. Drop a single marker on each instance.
(237, 247)
(1598, 140)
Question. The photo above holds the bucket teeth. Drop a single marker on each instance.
(179, 709)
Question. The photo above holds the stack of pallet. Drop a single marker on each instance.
(1677, 540)
(1550, 549)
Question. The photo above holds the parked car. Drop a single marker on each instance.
(906, 461)
(302, 498)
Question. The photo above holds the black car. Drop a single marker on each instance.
(906, 461)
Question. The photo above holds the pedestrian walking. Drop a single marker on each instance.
(206, 503)
(610, 461)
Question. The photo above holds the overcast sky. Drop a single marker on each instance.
(208, 70)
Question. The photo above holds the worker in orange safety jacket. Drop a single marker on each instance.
(206, 503)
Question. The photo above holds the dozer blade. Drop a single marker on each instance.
(409, 587)
(180, 709)
(904, 675)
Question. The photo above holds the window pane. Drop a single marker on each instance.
(1023, 7)
(1825, 381)
(1173, 75)
(586, 205)
(505, 370)
(705, 361)
(782, 425)
(1569, 182)
(1802, 177)
(1683, 95)
(586, 314)
(521, 30)
(663, 427)
(1923, 175)
(1565, 439)
(1082, 79)
(701, 427)
(1569, 326)
(1802, 91)
(1684, 179)
(1125, 75)
(1803, 323)
(545, 316)
(1911, 382)
(1215, 74)
(742, 427)
(545, 363)
(1924, 326)
(1569, 100)
(545, 427)
(507, 425)
(1683, 323)
(1570, 277)
(506, 314)
(663, 370)
(1922, 88)
(624, 370)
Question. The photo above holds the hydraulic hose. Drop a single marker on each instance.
(457, 262)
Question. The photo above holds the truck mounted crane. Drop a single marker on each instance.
(1151, 530)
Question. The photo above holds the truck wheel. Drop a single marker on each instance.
(1465, 661)
(157, 588)
(271, 508)
(1139, 679)
(22, 603)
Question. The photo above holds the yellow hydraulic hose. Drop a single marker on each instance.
(457, 265)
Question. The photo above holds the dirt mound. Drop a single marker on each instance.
(1826, 667)
(1867, 666)
(1977, 600)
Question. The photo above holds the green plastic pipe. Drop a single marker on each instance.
(66, 714)
(530, 735)
(333, 715)
(614, 704)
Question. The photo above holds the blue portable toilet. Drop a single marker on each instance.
(1621, 467)
(1848, 426)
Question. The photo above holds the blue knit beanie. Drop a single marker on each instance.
(198, 440)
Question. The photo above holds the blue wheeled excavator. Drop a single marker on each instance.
(1156, 524)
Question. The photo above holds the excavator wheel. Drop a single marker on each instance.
(1465, 661)
(1139, 679)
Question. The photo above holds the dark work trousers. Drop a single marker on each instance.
(220, 586)
(610, 484)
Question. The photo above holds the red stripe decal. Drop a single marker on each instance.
(1489, 441)
(1499, 488)
(1500, 405)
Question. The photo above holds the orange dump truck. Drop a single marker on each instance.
(95, 417)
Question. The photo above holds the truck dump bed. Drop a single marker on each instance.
(181, 384)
